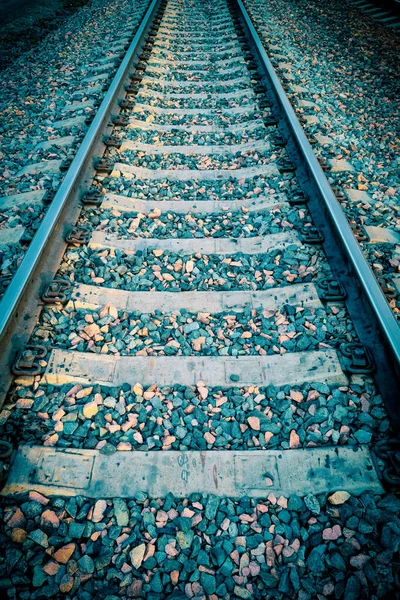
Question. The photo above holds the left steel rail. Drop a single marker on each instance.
(20, 305)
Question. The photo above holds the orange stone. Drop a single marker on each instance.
(51, 568)
(18, 535)
(174, 577)
(254, 423)
(66, 584)
(64, 553)
(17, 519)
(49, 517)
(294, 439)
(38, 498)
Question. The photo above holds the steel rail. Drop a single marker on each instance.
(15, 299)
(381, 311)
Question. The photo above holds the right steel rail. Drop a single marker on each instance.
(373, 318)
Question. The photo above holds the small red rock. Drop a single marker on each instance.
(51, 568)
(18, 535)
(332, 533)
(66, 584)
(49, 517)
(135, 589)
(17, 519)
(63, 554)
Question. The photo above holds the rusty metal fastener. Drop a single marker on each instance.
(55, 292)
(104, 165)
(285, 165)
(132, 89)
(78, 235)
(92, 197)
(339, 193)
(276, 139)
(297, 197)
(312, 235)
(270, 121)
(331, 290)
(27, 360)
(112, 140)
(126, 103)
(358, 359)
(389, 452)
(65, 165)
(120, 121)
(48, 197)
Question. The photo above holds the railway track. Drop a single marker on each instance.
(207, 323)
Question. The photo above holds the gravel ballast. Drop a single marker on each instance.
(202, 547)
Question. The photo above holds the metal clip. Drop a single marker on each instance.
(27, 361)
(104, 165)
(323, 164)
(131, 89)
(120, 121)
(55, 292)
(78, 235)
(263, 104)
(312, 235)
(331, 290)
(112, 140)
(126, 104)
(359, 232)
(48, 197)
(92, 196)
(270, 121)
(285, 165)
(297, 197)
(389, 452)
(137, 77)
(277, 140)
(358, 359)
(65, 165)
